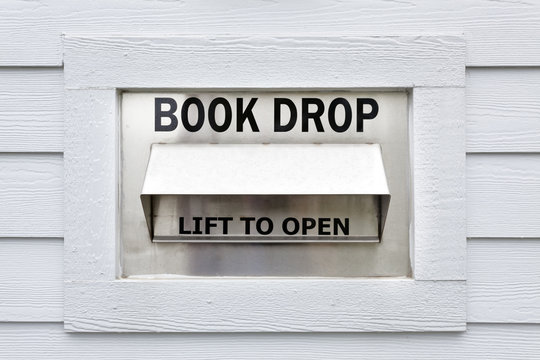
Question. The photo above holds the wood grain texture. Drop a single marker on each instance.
(498, 33)
(503, 195)
(90, 161)
(503, 278)
(31, 279)
(31, 195)
(438, 161)
(264, 305)
(264, 62)
(481, 341)
(503, 110)
(31, 109)
(504, 281)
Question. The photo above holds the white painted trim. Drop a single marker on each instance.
(438, 161)
(433, 67)
(264, 62)
(267, 304)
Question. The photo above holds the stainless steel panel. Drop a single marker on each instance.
(140, 256)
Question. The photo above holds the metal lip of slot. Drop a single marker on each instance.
(257, 239)
(183, 169)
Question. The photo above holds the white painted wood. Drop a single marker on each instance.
(31, 279)
(498, 34)
(504, 281)
(438, 158)
(243, 62)
(265, 304)
(31, 110)
(503, 195)
(90, 179)
(481, 341)
(503, 110)
(31, 195)
(90, 162)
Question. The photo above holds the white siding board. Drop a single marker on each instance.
(499, 187)
(31, 280)
(31, 109)
(503, 110)
(504, 281)
(503, 195)
(497, 33)
(481, 341)
(31, 195)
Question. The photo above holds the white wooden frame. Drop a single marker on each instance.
(431, 67)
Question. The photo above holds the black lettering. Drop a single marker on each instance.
(285, 226)
(185, 117)
(332, 115)
(324, 223)
(344, 228)
(247, 114)
(307, 224)
(197, 230)
(225, 222)
(248, 221)
(316, 116)
(269, 226)
(209, 224)
(181, 230)
(277, 114)
(361, 115)
(160, 114)
(212, 114)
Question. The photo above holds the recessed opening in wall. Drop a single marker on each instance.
(237, 183)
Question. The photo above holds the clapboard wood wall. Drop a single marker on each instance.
(30, 31)
(31, 109)
(503, 169)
